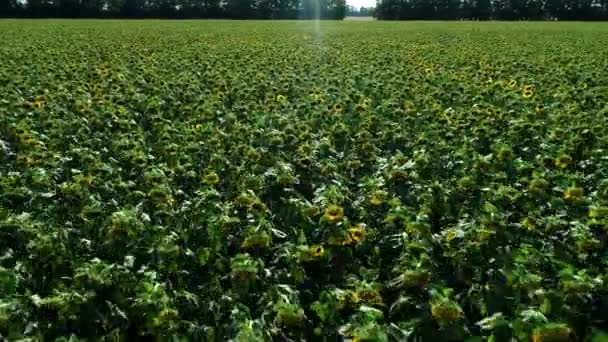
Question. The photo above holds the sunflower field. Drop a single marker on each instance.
(303, 181)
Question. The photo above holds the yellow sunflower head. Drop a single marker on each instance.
(356, 234)
(376, 199)
(598, 212)
(333, 214)
(553, 332)
(445, 313)
(281, 98)
(528, 93)
(573, 194)
(317, 251)
(338, 107)
(37, 104)
(563, 161)
(512, 83)
(538, 185)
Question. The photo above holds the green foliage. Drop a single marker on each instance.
(298, 181)
(232, 9)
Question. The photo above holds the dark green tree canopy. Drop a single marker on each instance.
(231, 9)
(492, 9)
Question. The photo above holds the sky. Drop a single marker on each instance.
(359, 3)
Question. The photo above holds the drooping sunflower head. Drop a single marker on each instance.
(563, 161)
(254, 155)
(366, 102)
(377, 198)
(538, 185)
(573, 194)
(553, 332)
(316, 251)
(212, 178)
(37, 104)
(539, 108)
(444, 312)
(338, 107)
(596, 212)
(527, 91)
(505, 153)
(357, 233)
(333, 214)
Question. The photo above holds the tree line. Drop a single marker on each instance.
(492, 9)
(228, 9)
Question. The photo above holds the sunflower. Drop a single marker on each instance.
(258, 240)
(354, 165)
(539, 108)
(353, 297)
(538, 185)
(333, 214)
(24, 160)
(563, 161)
(451, 234)
(444, 312)
(338, 107)
(527, 93)
(376, 199)
(212, 178)
(19, 132)
(316, 251)
(360, 108)
(573, 194)
(370, 296)
(168, 315)
(254, 155)
(598, 212)
(512, 83)
(552, 332)
(505, 154)
(281, 98)
(37, 104)
(356, 234)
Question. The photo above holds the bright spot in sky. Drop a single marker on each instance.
(359, 3)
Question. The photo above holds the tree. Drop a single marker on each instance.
(239, 9)
(9, 8)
